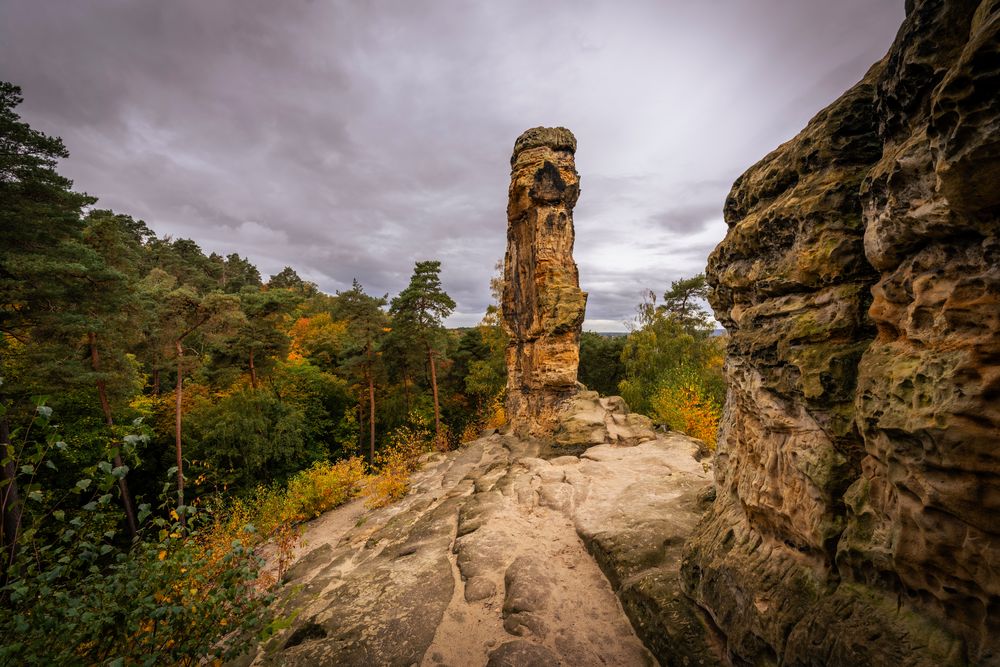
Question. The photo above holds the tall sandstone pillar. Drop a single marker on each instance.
(543, 306)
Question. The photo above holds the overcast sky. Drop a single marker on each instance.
(351, 139)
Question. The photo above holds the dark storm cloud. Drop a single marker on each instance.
(350, 140)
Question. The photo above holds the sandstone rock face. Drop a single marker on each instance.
(497, 556)
(543, 306)
(858, 466)
(586, 419)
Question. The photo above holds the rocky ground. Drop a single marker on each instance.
(509, 552)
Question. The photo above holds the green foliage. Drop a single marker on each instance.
(682, 302)
(288, 279)
(601, 367)
(239, 437)
(247, 436)
(671, 359)
(162, 599)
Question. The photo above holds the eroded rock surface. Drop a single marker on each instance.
(543, 306)
(586, 419)
(858, 467)
(498, 556)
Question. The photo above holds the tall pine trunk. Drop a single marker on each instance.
(361, 424)
(434, 389)
(102, 392)
(371, 404)
(371, 415)
(177, 431)
(406, 390)
(10, 501)
(253, 372)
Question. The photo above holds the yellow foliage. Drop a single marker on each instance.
(685, 408)
(496, 415)
(395, 463)
(270, 514)
(321, 488)
(318, 335)
(470, 432)
(491, 415)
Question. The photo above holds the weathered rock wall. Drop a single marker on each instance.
(858, 466)
(543, 306)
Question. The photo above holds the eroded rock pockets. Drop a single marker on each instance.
(500, 557)
(858, 471)
(542, 303)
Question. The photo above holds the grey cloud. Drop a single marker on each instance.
(688, 218)
(351, 139)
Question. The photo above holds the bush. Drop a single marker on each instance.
(395, 463)
(685, 402)
(78, 593)
(321, 488)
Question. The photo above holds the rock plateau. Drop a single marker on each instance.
(506, 553)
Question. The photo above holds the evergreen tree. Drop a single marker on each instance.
(40, 247)
(287, 278)
(683, 302)
(418, 312)
(367, 325)
(261, 337)
(113, 315)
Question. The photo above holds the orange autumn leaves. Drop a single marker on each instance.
(687, 408)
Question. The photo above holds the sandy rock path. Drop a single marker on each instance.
(505, 553)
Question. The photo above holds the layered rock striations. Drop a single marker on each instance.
(858, 466)
(543, 306)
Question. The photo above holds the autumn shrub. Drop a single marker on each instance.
(271, 514)
(394, 464)
(491, 415)
(321, 488)
(685, 402)
(496, 415)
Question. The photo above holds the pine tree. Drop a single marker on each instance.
(418, 312)
(113, 313)
(367, 325)
(40, 233)
(180, 313)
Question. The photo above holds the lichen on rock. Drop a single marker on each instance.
(542, 303)
(857, 470)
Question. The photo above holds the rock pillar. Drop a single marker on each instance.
(543, 306)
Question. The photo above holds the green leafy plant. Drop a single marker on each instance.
(165, 597)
